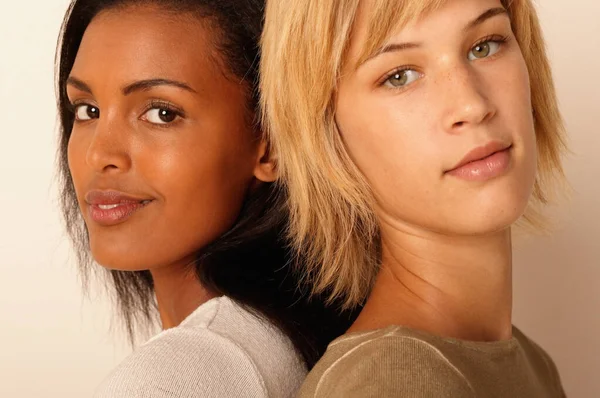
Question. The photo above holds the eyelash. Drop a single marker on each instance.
(72, 106)
(154, 104)
(400, 69)
(495, 38)
(164, 105)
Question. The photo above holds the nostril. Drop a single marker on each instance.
(110, 167)
(459, 124)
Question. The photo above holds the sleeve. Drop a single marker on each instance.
(185, 364)
(393, 367)
(554, 375)
(550, 378)
(559, 387)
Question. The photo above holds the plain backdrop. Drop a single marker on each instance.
(56, 343)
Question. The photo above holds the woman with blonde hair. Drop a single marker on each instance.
(411, 136)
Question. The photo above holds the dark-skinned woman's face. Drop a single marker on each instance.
(162, 153)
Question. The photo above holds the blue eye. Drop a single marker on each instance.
(402, 78)
(84, 112)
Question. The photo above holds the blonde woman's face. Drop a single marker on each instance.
(440, 121)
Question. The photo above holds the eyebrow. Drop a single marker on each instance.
(141, 85)
(394, 47)
(79, 84)
(148, 84)
(492, 12)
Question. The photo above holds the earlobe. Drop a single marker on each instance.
(265, 169)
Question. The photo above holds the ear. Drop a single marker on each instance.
(265, 169)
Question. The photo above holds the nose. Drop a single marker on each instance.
(466, 103)
(108, 149)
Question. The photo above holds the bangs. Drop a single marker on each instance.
(386, 17)
(332, 223)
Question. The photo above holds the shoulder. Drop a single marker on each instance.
(184, 362)
(201, 357)
(390, 362)
(541, 362)
(271, 351)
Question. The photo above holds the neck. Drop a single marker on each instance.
(178, 293)
(459, 287)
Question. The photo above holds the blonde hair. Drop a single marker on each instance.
(332, 224)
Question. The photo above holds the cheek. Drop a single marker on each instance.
(397, 153)
(511, 92)
(515, 111)
(200, 187)
(76, 153)
(201, 201)
(203, 185)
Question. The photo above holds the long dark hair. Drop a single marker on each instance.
(249, 263)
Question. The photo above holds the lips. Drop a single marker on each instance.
(481, 152)
(98, 197)
(113, 207)
(483, 163)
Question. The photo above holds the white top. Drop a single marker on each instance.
(220, 350)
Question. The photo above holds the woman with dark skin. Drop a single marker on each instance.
(167, 183)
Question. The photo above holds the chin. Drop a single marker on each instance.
(119, 257)
(494, 207)
(492, 223)
(490, 216)
(119, 264)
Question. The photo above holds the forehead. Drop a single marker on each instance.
(377, 21)
(131, 44)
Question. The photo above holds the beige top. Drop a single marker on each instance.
(221, 350)
(401, 362)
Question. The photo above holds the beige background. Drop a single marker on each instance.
(54, 343)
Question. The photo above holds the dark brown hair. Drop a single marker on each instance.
(249, 263)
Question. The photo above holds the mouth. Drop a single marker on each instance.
(109, 208)
(115, 205)
(483, 163)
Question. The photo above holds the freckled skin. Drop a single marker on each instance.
(446, 264)
(197, 169)
(404, 140)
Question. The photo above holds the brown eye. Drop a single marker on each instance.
(161, 115)
(85, 112)
(402, 78)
